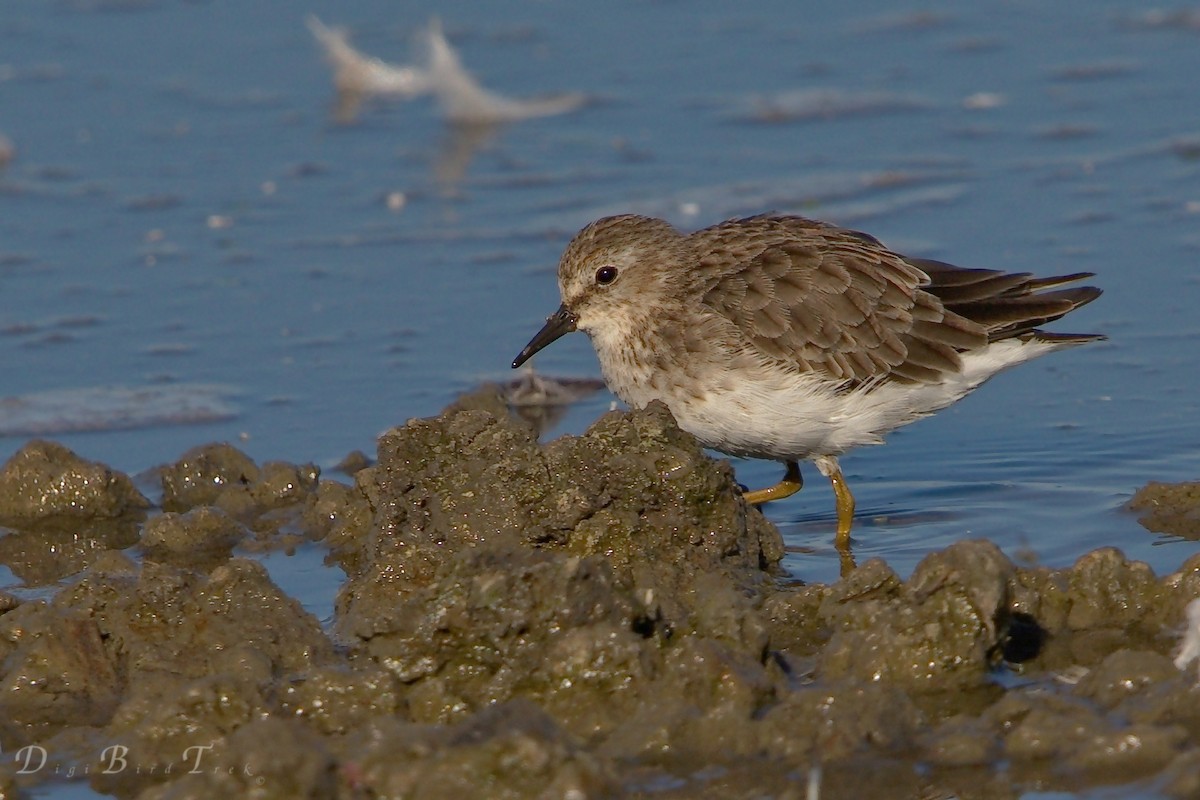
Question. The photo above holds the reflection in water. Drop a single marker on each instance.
(460, 96)
(458, 148)
(542, 400)
(57, 547)
(7, 151)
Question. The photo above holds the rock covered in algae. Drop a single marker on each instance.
(934, 631)
(598, 616)
(45, 480)
(634, 489)
(508, 750)
(62, 512)
(204, 528)
(1172, 508)
(222, 476)
(497, 569)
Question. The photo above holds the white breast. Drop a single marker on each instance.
(761, 412)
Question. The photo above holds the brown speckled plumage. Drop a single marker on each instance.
(783, 337)
(818, 297)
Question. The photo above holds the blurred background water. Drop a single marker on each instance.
(182, 215)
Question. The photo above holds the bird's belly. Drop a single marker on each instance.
(757, 409)
(789, 418)
(794, 417)
(784, 423)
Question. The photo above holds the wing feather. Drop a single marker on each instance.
(821, 298)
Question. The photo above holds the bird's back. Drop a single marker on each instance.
(838, 302)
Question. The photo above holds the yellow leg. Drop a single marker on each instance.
(845, 505)
(791, 483)
(846, 558)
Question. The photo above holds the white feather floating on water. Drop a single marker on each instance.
(356, 73)
(462, 99)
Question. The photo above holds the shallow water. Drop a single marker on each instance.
(181, 208)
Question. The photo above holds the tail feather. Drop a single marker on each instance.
(1007, 305)
(1067, 338)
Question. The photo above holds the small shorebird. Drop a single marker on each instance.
(786, 338)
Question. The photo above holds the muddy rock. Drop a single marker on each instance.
(832, 722)
(1062, 734)
(1104, 602)
(500, 623)
(161, 662)
(203, 529)
(45, 480)
(587, 575)
(510, 750)
(339, 698)
(64, 512)
(72, 660)
(209, 475)
(961, 741)
(274, 501)
(1172, 508)
(353, 462)
(57, 672)
(704, 702)
(340, 516)
(1128, 673)
(1182, 776)
(935, 631)
(8, 773)
(166, 619)
(269, 759)
(446, 484)
(634, 489)
(1043, 595)
(1144, 687)
(638, 490)
(281, 484)
(1044, 727)
(1177, 590)
(167, 724)
(597, 616)
(796, 630)
(1108, 590)
(221, 475)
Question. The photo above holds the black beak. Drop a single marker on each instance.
(558, 324)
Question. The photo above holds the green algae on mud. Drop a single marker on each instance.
(1172, 508)
(597, 616)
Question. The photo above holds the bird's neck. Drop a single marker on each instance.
(635, 353)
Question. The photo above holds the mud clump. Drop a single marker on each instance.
(1172, 508)
(45, 481)
(598, 616)
(203, 529)
(60, 511)
(220, 479)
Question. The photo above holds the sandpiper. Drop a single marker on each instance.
(786, 338)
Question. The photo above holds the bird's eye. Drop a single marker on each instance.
(606, 275)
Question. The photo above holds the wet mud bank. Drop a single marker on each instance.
(597, 616)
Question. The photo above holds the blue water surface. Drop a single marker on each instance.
(182, 208)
